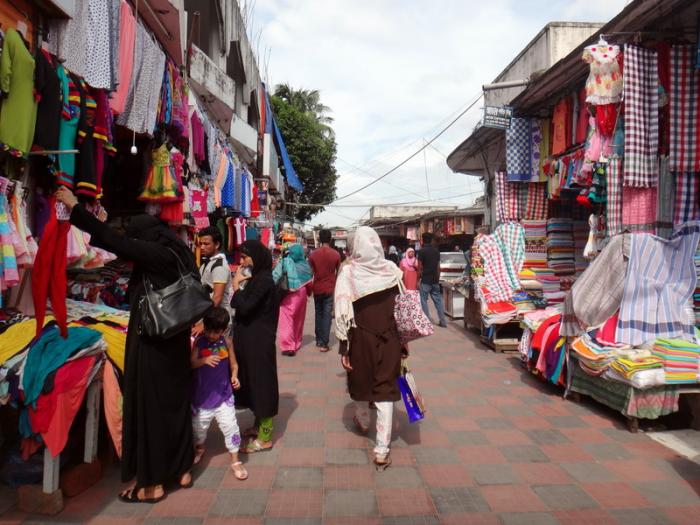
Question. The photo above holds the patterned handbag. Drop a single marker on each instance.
(411, 321)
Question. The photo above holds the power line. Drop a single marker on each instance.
(309, 205)
(411, 156)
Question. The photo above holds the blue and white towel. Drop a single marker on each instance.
(518, 150)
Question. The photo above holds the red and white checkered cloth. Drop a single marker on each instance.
(686, 207)
(536, 201)
(641, 99)
(684, 101)
(614, 202)
(508, 198)
(495, 273)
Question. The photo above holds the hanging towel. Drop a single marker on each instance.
(536, 201)
(507, 198)
(665, 200)
(641, 99)
(614, 203)
(687, 192)
(639, 209)
(518, 150)
(684, 100)
(659, 283)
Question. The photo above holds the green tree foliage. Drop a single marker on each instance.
(310, 143)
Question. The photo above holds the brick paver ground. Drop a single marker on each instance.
(497, 447)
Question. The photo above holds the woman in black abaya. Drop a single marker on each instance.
(157, 424)
(254, 332)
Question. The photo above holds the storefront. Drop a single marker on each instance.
(115, 121)
(591, 269)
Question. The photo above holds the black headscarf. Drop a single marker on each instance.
(152, 229)
(262, 258)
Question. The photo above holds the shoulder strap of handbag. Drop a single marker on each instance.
(180, 267)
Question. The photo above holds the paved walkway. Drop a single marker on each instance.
(498, 447)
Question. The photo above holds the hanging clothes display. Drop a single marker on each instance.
(641, 100)
(68, 127)
(518, 150)
(19, 107)
(127, 40)
(161, 182)
(604, 84)
(141, 107)
(47, 91)
(685, 111)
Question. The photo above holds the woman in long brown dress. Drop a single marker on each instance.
(369, 341)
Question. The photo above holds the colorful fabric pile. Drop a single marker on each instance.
(593, 358)
(696, 294)
(535, 232)
(551, 285)
(681, 360)
(560, 246)
(628, 368)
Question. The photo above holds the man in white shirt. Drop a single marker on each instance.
(214, 270)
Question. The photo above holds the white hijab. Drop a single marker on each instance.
(366, 273)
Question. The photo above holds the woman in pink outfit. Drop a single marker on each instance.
(294, 271)
(409, 267)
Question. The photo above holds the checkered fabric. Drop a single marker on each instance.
(684, 101)
(641, 99)
(503, 253)
(614, 202)
(687, 207)
(508, 196)
(518, 154)
(536, 201)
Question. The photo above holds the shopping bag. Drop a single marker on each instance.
(410, 394)
(411, 321)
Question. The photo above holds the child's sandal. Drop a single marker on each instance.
(239, 471)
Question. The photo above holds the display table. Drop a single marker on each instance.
(453, 300)
(631, 402)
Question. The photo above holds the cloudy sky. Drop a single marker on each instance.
(395, 72)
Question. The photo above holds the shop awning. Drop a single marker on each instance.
(484, 147)
(289, 172)
(163, 18)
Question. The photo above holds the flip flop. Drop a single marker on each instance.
(383, 464)
(132, 496)
(256, 446)
(198, 454)
(239, 473)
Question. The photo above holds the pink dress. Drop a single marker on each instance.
(290, 329)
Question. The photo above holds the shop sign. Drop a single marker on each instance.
(497, 117)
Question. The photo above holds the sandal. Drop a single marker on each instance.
(198, 453)
(189, 484)
(255, 445)
(239, 470)
(381, 463)
(132, 496)
(289, 353)
(361, 427)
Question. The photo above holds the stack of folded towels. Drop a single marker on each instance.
(681, 360)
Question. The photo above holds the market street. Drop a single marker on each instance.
(497, 446)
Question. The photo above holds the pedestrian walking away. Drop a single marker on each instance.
(429, 259)
(370, 348)
(324, 262)
(295, 273)
(256, 302)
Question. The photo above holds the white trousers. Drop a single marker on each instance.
(225, 415)
(385, 416)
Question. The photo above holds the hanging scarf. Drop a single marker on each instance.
(367, 272)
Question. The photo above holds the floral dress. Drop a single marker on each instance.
(604, 84)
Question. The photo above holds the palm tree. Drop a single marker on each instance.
(307, 101)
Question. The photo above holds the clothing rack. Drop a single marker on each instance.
(54, 152)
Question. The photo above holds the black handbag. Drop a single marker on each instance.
(175, 308)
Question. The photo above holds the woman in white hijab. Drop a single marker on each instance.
(370, 349)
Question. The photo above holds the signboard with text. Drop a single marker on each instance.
(497, 116)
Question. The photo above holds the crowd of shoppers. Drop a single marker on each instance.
(175, 387)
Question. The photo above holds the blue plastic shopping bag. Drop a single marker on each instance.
(410, 394)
